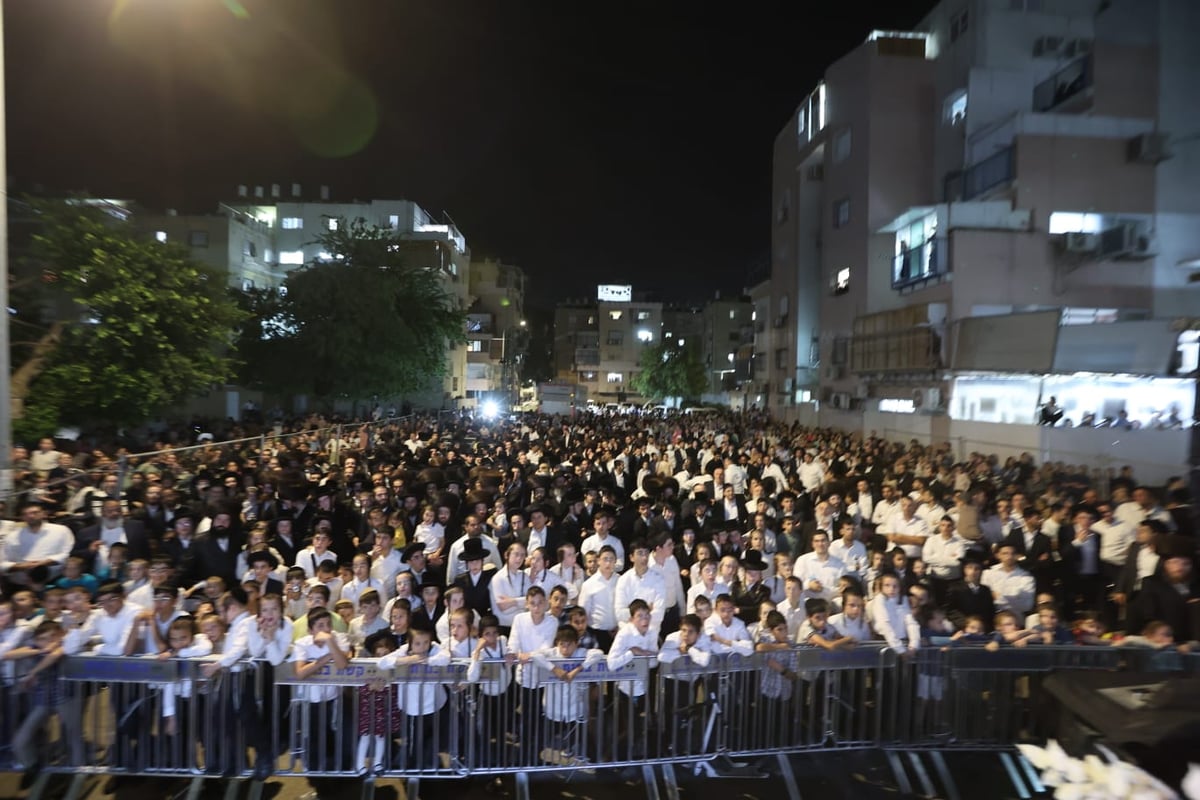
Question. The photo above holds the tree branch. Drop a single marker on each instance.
(23, 376)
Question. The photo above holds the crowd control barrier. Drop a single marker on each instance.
(415, 721)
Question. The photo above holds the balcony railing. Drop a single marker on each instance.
(993, 171)
(1069, 82)
(924, 262)
(587, 356)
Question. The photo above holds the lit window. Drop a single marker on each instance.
(680, 342)
(733, 313)
(475, 346)
(731, 358)
(615, 315)
(841, 146)
(668, 335)
(291, 256)
(644, 335)
(292, 223)
(333, 223)
(954, 110)
(754, 315)
(197, 238)
(394, 221)
(1075, 222)
(841, 283)
(642, 316)
(591, 320)
(841, 213)
(160, 236)
(616, 377)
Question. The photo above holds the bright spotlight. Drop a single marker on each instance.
(490, 409)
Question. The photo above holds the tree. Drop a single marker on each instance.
(357, 324)
(119, 327)
(668, 371)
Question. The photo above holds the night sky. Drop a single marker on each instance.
(586, 143)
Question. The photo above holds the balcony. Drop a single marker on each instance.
(1069, 89)
(587, 356)
(995, 170)
(923, 263)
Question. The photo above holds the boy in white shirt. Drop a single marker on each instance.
(636, 638)
(565, 703)
(421, 701)
(852, 621)
(532, 630)
(684, 655)
(324, 729)
(725, 631)
(492, 724)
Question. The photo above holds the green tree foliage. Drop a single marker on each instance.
(669, 371)
(121, 328)
(358, 324)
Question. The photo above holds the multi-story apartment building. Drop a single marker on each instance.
(728, 345)
(497, 331)
(991, 209)
(262, 236)
(599, 344)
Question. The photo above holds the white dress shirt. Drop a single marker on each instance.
(621, 653)
(648, 586)
(597, 598)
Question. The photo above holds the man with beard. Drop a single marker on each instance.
(217, 550)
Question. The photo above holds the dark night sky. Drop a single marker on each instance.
(616, 142)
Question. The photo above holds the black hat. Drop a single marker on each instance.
(410, 551)
(262, 555)
(731, 525)
(428, 582)
(329, 489)
(473, 550)
(535, 507)
(1175, 546)
(752, 559)
(700, 497)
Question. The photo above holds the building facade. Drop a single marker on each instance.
(497, 332)
(988, 210)
(599, 344)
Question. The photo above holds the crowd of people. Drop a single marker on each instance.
(538, 539)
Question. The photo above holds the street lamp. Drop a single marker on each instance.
(506, 381)
(6, 481)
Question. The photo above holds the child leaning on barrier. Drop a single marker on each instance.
(50, 697)
(565, 701)
(183, 641)
(377, 720)
(311, 653)
(420, 701)
(852, 621)
(491, 721)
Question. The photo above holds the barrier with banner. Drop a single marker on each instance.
(151, 716)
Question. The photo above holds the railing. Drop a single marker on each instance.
(1063, 85)
(993, 171)
(419, 720)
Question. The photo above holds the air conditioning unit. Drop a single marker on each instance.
(1145, 245)
(840, 400)
(927, 399)
(1076, 47)
(1047, 46)
(816, 172)
(1079, 242)
(1148, 148)
(1131, 239)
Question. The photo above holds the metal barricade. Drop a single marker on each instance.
(149, 716)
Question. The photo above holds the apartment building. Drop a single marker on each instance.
(992, 208)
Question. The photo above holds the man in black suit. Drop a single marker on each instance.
(732, 506)
(263, 564)
(284, 538)
(110, 528)
(1173, 595)
(971, 598)
(180, 545)
(426, 615)
(1034, 549)
(418, 565)
(539, 533)
(218, 549)
(154, 514)
(475, 581)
